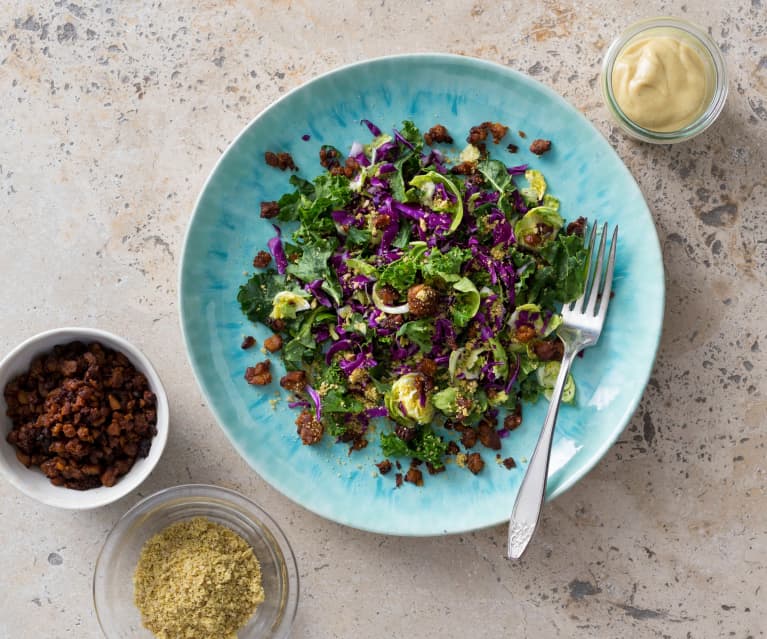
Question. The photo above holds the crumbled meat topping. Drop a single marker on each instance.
(414, 476)
(513, 420)
(436, 134)
(269, 210)
(509, 463)
(434, 470)
(474, 462)
(384, 467)
(262, 258)
(524, 333)
(478, 134)
(422, 300)
(82, 413)
(309, 429)
(464, 168)
(488, 436)
(469, 437)
(294, 381)
(259, 375)
(273, 343)
(282, 161)
(549, 350)
(539, 147)
(577, 227)
(329, 157)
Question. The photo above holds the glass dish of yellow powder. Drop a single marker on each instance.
(196, 560)
(197, 579)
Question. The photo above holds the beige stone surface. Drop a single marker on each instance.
(113, 114)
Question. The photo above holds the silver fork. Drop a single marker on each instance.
(582, 324)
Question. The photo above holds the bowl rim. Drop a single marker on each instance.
(719, 69)
(206, 492)
(102, 496)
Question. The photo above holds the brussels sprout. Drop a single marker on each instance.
(444, 400)
(470, 363)
(467, 301)
(501, 368)
(538, 227)
(532, 315)
(537, 182)
(499, 399)
(286, 304)
(408, 401)
(550, 202)
(547, 378)
(426, 184)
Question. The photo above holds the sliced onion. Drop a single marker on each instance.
(392, 310)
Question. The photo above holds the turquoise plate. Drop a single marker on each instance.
(226, 231)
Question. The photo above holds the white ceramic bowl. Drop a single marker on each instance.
(32, 481)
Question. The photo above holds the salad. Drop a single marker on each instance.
(414, 295)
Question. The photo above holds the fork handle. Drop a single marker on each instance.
(527, 507)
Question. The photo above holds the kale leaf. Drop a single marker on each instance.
(256, 295)
(313, 263)
(427, 446)
(568, 257)
(445, 268)
(410, 132)
(419, 332)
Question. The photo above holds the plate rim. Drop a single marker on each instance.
(589, 463)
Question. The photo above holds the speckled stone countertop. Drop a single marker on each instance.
(114, 113)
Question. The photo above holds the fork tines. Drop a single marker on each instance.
(596, 293)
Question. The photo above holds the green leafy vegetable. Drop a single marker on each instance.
(401, 273)
(410, 132)
(256, 295)
(498, 177)
(337, 401)
(569, 259)
(467, 301)
(426, 184)
(445, 268)
(427, 446)
(547, 378)
(469, 349)
(313, 264)
(419, 332)
(537, 228)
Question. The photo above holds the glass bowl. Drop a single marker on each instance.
(711, 56)
(113, 577)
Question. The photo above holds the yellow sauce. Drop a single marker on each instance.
(662, 82)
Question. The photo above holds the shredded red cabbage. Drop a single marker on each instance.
(399, 137)
(278, 253)
(317, 402)
(340, 345)
(374, 130)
